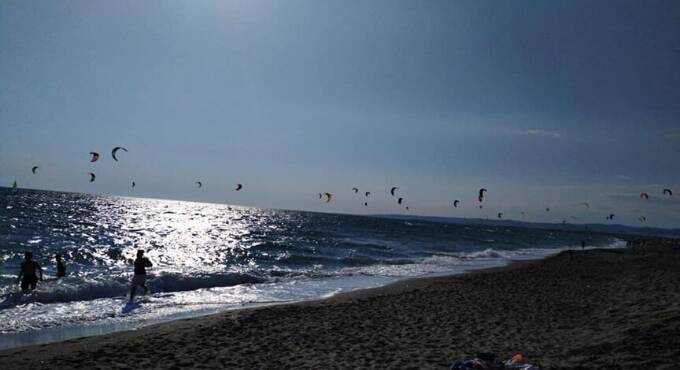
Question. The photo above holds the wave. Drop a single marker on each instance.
(72, 289)
(314, 267)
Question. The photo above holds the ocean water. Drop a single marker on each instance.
(213, 257)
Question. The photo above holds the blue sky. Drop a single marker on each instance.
(546, 104)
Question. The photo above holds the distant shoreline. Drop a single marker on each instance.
(595, 309)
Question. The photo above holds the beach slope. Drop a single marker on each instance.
(604, 309)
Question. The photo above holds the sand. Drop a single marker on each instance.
(600, 309)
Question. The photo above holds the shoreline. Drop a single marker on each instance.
(69, 332)
(597, 308)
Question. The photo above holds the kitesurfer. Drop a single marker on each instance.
(139, 279)
(61, 269)
(27, 275)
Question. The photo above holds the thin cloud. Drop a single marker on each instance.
(535, 132)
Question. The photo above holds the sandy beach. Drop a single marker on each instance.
(603, 309)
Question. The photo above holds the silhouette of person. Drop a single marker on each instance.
(583, 244)
(27, 274)
(61, 269)
(139, 279)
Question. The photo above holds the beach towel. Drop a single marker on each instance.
(486, 361)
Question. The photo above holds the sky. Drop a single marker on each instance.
(544, 103)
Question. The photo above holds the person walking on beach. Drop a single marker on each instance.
(141, 263)
(583, 244)
(61, 269)
(27, 274)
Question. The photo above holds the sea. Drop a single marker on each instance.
(215, 257)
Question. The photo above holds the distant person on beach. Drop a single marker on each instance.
(61, 269)
(583, 244)
(27, 275)
(141, 263)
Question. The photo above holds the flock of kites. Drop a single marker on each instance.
(94, 156)
(480, 198)
(328, 196)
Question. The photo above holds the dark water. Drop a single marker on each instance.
(209, 257)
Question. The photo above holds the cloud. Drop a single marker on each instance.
(535, 132)
(624, 177)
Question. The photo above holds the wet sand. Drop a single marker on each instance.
(600, 309)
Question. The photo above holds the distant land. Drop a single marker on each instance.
(599, 228)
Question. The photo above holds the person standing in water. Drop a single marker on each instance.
(583, 244)
(141, 263)
(61, 269)
(27, 275)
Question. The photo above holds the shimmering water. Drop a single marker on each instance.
(211, 257)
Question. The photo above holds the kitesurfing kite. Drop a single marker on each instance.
(92, 177)
(115, 150)
(481, 196)
(367, 193)
(355, 190)
(200, 184)
(133, 184)
(14, 185)
(547, 209)
(320, 195)
(668, 191)
(586, 204)
(94, 156)
(500, 215)
(365, 204)
(238, 187)
(407, 208)
(610, 217)
(393, 190)
(644, 196)
(455, 203)
(642, 219)
(400, 200)
(34, 169)
(329, 196)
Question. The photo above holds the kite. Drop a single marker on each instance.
(115, 150)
